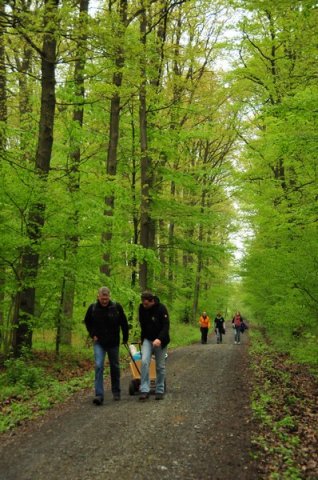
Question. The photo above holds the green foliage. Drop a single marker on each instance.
(191, 129)
(18, 371)
(23, 406)
(278, 177)
(183, 334)
(213, 140)
(278, 407)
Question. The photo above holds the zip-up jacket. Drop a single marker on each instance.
(106, 322)
(204, 322)
(219, 322)
(154, 323)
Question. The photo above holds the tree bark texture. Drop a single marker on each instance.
(147, 226)
(3, 119)
(69, 279)
(25, 299)
(114, 124)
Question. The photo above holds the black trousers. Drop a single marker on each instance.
(204, 334)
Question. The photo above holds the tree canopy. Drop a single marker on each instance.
(136, 139)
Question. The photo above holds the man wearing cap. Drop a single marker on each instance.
(154, 324)
(104, 320)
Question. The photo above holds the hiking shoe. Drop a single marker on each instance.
(144, 396)
(159, 396)
(98, 400)
(116, 397)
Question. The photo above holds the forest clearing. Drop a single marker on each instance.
(171, 146)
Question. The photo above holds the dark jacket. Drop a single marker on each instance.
(154, 323)
(105, 323)
(219, 324)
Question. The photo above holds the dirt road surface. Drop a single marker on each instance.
(200, 431)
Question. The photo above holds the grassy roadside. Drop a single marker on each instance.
(29, 386)
(284, 405)
(35, 383)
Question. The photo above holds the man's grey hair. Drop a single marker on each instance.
(103, 291)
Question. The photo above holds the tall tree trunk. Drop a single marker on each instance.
(25, 298)
(135, 218)
(174, 124)
(114, 122)
(171, 251)
(3, 120)
(196, 290)
(24, 66)
(69, 278)
(197, 283)
(147, 225)
(23, 62)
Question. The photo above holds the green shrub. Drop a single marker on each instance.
(14, 370)
(18, 371)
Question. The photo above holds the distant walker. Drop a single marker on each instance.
(204, 322)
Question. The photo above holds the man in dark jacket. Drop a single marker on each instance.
(103, 320)
(154, 324)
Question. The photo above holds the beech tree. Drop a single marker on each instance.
(3, 120)
(65, 314)
(132, 189)
(25, 298)
(280, 182)
(119, 25)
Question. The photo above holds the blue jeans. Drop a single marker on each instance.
(113, 358)
(147, 349)
(219, 333)
(237, 334)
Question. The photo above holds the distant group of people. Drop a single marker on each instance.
(105, 319)
(238, 325)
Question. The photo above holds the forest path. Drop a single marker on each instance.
(200, 431)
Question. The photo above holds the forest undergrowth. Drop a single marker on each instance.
(31, 385)
(285, 411)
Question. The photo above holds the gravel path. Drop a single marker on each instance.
(200, 431)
